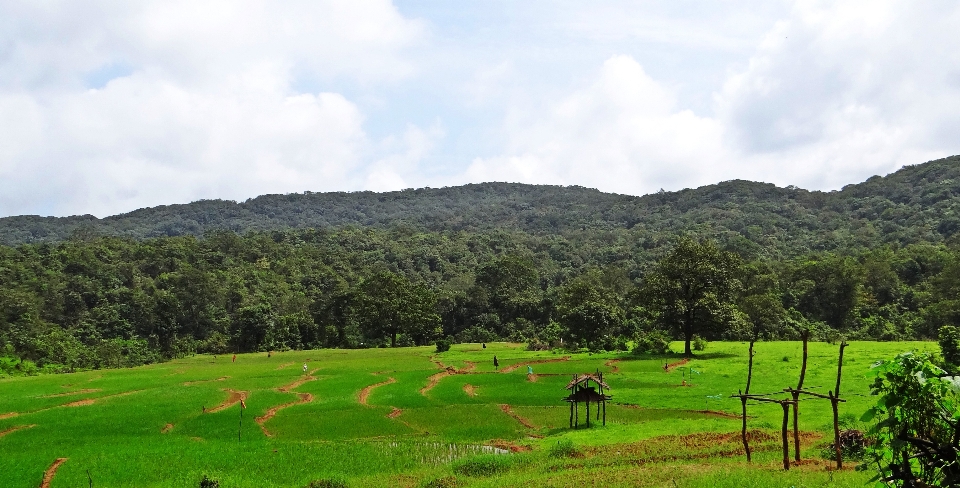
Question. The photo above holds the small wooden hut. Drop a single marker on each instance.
(582, 392)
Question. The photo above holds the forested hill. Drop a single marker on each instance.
(919, 203)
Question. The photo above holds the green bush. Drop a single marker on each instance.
(328, 483)
(483, 465)
(654, 342)
(445, 482)
(949, 339)
(564, 449)
(699, 343)
(443, 345)
(206, 482)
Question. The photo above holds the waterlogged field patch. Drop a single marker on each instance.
(363, 416)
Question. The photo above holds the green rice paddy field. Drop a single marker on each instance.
(398, 417)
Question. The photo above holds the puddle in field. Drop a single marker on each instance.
(435, 452)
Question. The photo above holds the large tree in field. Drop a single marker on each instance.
(692, 289)
(388, 305)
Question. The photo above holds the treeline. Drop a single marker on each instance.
(104, 302)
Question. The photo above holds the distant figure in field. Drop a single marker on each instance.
(484, 345)
(496, 364)
(304, 367)
(529, 369)
(234, 358)
(269, 353)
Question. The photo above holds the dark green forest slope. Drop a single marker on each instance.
(736, 260)
(919, 203)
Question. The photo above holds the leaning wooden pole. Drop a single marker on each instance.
(796, 398)
(834, 400)
(743, 403)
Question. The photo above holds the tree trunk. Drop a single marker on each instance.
(687, 337)
(393, 340)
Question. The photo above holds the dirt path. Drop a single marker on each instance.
(200, 382)
(304, 379)
(394, 413)
(509, 411)
(285, 365)
(233, 398)
(166, 428)
(514, 367)
(16, 428)
(670, 367)
(80, 403)
(365, 393)
(8, 415)
(434, 379)
(612, 364)
(470, 390)
(303, 398)
(51, 472)
(78, 392)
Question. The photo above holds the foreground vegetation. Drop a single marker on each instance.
(394, 417)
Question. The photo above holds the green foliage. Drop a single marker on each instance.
(443, 345)
(916, 423)
(564, 449)
(444, 482)
(483, 465)
(699, 343)
(328, 483)
(207, 482)
(653, 342)
(949, 340)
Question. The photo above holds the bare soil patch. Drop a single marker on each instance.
(15, 428)
(509, 411)
(285, 365)
(670, 367)
(532, 378)
(396, 412)
(434, 379)
(78, 392)
(470, 390)
(509, 446)
(8, 415)
(166, 428)
(514, 367)
(80, 403)
(612, 364)
(304, 379)
(365, 393)
(303, 398)
(199, 382)
(233, 398)
(51, 472)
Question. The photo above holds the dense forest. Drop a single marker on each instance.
(536, 264)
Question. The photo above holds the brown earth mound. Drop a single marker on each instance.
(166, 428)
(15, 428)
(670, 367)
(470, 390)
(303, 398)
(509, 446)
(612, 364)
(509, 411)
(365, 393)
(51, 472)
(394, 413)
(78, 392)
(233, 398)
(304, 379)
(514, 367)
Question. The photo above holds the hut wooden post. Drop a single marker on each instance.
(796, 398)
(588, 412)
(834, 400)
(571, 415)
(786, 443)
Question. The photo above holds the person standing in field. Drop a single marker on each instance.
(234, 358)
(496, 364)
(304, 368)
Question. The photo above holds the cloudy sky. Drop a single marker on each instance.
(106, 107)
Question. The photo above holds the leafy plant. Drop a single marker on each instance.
(916, 435)
(328, 483)
(699, 343)
(949, 339)
(483, 465)
(564, 449)
(206, 482)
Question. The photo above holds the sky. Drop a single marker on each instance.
(107, 107)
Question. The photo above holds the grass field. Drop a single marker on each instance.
(397, 417)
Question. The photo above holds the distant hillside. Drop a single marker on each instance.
(919, 203)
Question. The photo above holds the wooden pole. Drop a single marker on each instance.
(571, 415)
(604, 412)
(796, 398)
(786, 444)
(588, 412)
(743, 403)
(835, 399)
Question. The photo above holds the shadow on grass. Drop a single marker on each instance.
(673, 356)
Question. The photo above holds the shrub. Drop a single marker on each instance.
(443, 345)
(328, 483)
(699, 343)
(536, 345)
(445, 482)
(564, 449)
(654, 342)
(949, 339)
(483, 465)
(206, 482)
